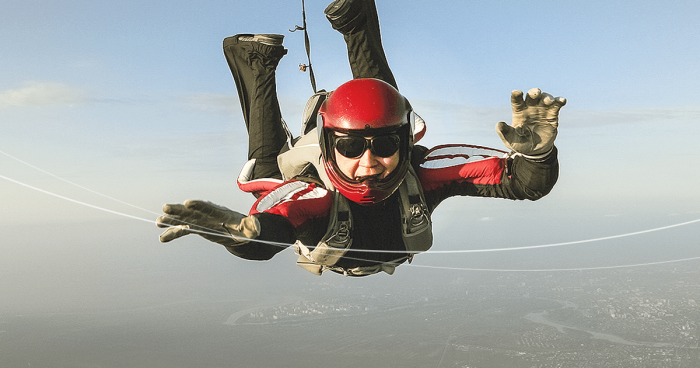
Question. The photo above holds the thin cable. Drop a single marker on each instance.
(74, 200)
(365, 250)
(564, 243)
(285, 245)
(77, 185)
(555, 269)
(189, 229)
(210, 232)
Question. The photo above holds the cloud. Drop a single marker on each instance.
(464, 116)
(42, 94)
(588, 118)
(465, 111)
(216, 103)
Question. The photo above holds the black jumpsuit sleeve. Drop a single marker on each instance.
(530, 179)
(522, 178)
(273, 228)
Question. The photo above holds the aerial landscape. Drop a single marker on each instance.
(617, 318)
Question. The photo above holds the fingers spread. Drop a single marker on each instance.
(547, 99)
(533, 97)
(552, 113)
(173, 233)
(174, 209)
(516, 100)
(160, 222)
(177, 214)
(516, 97)
(194, 203)
(503, 131)
(206, 208)
(168, 220)
(503, 128)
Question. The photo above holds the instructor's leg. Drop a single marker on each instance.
(357, 20)
(253, 60)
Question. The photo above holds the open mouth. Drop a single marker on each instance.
(374, 177)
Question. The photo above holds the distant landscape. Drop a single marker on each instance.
(644, 317)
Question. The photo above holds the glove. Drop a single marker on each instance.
(535, 122)
(207, 219)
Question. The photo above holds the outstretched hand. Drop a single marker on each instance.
(535, 122)
(207, 220)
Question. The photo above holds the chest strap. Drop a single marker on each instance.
(416, 231)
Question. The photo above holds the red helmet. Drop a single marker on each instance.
(366, 107)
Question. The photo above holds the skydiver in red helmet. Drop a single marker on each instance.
(354, 193)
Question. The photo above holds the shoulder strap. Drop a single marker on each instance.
(310, 115)
(337, 239)
(416, 224)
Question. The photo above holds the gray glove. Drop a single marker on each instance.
(207, 219)
(535, 122)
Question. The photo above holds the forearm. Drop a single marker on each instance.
(532, 179)
(511, 178)
(275, 229)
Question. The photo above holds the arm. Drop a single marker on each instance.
(274, 221)
(294, 210)
(529, 171)
(221, 225)
(463, 170)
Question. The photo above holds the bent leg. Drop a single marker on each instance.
(358, 21)
(253, 60)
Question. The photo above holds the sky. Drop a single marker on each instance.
(133, 100)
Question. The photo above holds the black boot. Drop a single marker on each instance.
(345, 15)
(358, 21)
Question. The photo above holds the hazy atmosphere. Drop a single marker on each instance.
(109, 110)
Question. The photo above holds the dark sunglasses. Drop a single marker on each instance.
(352, 146)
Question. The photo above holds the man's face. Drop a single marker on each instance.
(369, 163)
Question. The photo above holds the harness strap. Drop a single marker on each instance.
(307, 43)
(305, 262)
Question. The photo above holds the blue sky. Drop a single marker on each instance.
(134, 100)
